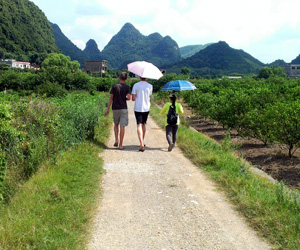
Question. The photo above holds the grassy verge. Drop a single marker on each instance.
(272, 209)
(53, 208)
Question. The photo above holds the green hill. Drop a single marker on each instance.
(91, 51)
(190, 50)
(66, 46)
(218, 59)
(277, 63)
(130, 45)
(24, 30)
(296, 60)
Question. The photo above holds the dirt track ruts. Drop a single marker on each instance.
(159, 200)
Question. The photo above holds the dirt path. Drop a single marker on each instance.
(159, 200)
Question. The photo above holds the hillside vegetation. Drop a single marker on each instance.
(66, 46)
(25, 31)
(216, 60)
(190, 50)
(130, 45)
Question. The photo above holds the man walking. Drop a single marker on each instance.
(141, 92)
(119, 95)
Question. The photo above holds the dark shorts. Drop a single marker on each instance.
(141, 117)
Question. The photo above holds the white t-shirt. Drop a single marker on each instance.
(142, 91)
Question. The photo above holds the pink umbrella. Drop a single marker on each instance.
(145, 70)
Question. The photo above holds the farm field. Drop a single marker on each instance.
(258, 118)
(271, 159)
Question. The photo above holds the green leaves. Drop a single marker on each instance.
(267, 110)
(32, 133)
(25, 28)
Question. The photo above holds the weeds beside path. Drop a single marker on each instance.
(52, 210)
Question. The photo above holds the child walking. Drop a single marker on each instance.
(172, 121)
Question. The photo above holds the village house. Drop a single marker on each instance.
(292, 70)
(16, 64)
(95, 66)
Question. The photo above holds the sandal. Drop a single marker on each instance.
(116, 144)
(142, 149)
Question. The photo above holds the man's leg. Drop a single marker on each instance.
(122, 133)
(144, 130)
(116, 130)
(140, 135)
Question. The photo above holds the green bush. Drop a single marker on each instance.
(34, 132)
(51, 90)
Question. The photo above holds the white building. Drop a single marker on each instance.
(16, 64)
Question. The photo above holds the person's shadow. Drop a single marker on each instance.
(136, 148)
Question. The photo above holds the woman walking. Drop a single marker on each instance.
(172, 109)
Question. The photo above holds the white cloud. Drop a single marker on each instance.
(79, 43)
(182, 4)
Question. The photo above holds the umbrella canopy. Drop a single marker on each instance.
(145, 70)
(178, 85)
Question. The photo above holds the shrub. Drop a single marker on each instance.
(51, 90)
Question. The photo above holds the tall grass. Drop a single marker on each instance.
(38, 131)
(272, 209)
(53, 208)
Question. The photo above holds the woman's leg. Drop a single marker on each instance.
(168, 134)
(174, 134)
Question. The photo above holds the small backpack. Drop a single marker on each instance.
(172, 116)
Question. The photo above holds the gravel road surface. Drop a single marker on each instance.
(159, 200)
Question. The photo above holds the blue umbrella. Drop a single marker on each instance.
(178, 85)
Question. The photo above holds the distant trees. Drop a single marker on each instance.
(266, 72)
(58, 74)
(185, 71)
(60, 60)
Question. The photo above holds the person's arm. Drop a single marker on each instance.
(133, 97)
(109, 103)
(164, 109)
(180, 108)
(128, 97)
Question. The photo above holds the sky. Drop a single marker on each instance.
(266, 29)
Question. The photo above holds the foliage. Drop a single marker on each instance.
(272, 209)
(190, 50)
(103, 84)
(267, 72)
(286, 124)
(130, 45)
(20, 33)
(60, 61)
(52, 209)
(50, 89)
(66, 46)
(58, 74)
(11, 79)
(185, 71)
(265, 109)
(91, 51)
(217, 60)
(32, 133)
